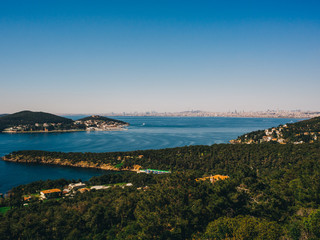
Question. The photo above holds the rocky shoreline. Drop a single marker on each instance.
(67, 163)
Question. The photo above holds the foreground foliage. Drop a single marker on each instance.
(273, 192)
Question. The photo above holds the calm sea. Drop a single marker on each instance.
(143, 133)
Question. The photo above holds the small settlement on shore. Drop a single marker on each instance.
(79, 187)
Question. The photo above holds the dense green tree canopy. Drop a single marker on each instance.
(273, 192)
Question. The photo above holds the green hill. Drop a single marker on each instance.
(101, 118)
(307, 131)
(31, 118)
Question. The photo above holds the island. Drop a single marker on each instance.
(28, 121)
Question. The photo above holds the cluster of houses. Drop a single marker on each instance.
(69, 191)
(98, 124)
(274, 134)
(33, 127)
(313, 135)
(277, 135)
(80, 187)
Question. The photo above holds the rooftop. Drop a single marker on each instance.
(51, 191)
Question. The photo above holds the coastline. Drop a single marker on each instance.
(67, 163)
(117, 142)
(70, 130)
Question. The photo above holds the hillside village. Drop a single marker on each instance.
(99, 123)
(37, 127)
(68, 191)
(307, 131)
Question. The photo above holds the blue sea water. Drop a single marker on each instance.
(143, 133)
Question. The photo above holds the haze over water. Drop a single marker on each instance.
(143, 133)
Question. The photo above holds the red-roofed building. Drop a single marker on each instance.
(51, 193)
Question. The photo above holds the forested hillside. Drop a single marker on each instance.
(273, 192)
(223, 157)
(31, 118)
(307, 131)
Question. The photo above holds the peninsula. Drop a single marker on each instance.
(28, 121)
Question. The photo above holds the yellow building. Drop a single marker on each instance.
(213, 178)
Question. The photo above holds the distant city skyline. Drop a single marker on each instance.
(166, 56)
(300, 114)
(241, 114)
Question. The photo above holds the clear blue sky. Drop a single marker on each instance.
(104, 56)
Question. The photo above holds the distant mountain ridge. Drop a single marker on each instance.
(307, 131)
(28, 121)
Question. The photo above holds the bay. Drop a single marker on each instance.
(143, 133)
